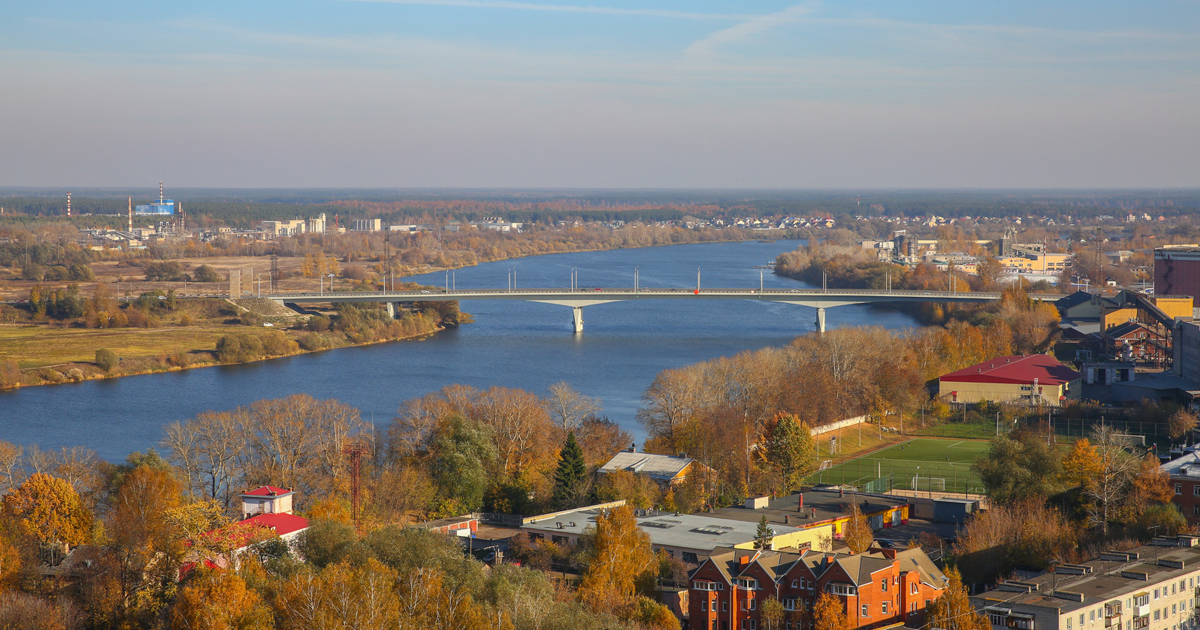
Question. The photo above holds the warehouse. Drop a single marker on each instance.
(1035, 379)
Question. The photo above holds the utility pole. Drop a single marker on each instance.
(355, 451)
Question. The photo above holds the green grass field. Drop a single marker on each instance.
(936, 459)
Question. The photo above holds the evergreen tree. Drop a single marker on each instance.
(571, 478)
(790, 449)
(764, 538)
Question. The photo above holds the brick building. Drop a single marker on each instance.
(1177, 271)
(878, 588)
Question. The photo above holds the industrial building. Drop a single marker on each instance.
(1177, 271)
(1035, 379)
(821, 508)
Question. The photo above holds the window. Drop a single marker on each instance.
(748, 584)
(1155, 593)
(749, 624)
(1196, 508)
(704, 585)
(703, 605)
(998, 620)
(714, 624)
(913, 588)
(885, 607)
(865, 611)
(883, 585)
(1080, 620)
(752, 604)
(840, 589)
(1068, 623)
(1093, 617)
(724, 606)
(789, 603)
(1196, 490)
(914, 607)
(1156, 614)
(689, 556)
(796, 583)
(1172, 609)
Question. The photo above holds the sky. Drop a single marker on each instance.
(601, 94)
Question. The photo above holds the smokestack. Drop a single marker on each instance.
(68, 203)
(131, 214)
(182, 217)
(160, 193)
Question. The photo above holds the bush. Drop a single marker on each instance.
(107, 359)
(10, 374)
(205, 273)
(239, 348)
(250, 318)
(169, 271)
(315, 341)
(75, 374)
(185, 320)
(326, 542)
(317, 323)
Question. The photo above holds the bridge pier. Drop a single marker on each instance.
(820, 320)
(578, 316)
(391, 309)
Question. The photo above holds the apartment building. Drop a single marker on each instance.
(1152, 587)
(880, 587)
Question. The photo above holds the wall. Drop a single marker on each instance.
(1003, 392)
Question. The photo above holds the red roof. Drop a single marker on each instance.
(265, 491)
(1019, 369)
(282, 524)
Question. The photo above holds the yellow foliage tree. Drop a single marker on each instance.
(953, 610)
(621, 554)
(219, 600)
(857, 531)
(50, 511)
(1081, 465)
(829, 613)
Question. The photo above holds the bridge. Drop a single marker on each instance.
(820, 299)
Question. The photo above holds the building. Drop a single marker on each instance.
(1184, 470)
(665, 469)
(1135, 341)
(1084, 305)
(164, 207)
(820, 508)
(1152, 587)
(1034, 258)
(1035, 379)
(1177, 271)
(316, 226)
(688, 537)
(367, 225)
(880, 587)
(1186, 350)
(266, 513)
(290, 227)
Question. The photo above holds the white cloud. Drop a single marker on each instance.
(748, 28)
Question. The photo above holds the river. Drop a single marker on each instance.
(514, 344)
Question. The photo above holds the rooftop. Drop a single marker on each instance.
(859, 567)
(1111, 576)
(687, 531)
(657, 467)
(266, 491)
(1016, 369)
(829, 503)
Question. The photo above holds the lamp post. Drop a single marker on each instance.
(331, 277)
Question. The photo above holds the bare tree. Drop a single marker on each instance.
(10, 465)
(568, 407)
(1115, 479)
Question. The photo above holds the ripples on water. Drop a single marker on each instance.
(514, 344)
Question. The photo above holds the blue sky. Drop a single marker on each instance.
(661, 93)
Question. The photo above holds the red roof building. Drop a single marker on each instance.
(1036, 379)
(266, 513)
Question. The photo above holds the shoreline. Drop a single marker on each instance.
(209, 364)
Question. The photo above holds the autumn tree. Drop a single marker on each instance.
(568, 407)
(1181, 424)
(220, 600)
(996, 541)
(10, 465)
(50, 511)
(772, 613)
(857, 531)
(953, 610)
(636, 489)
(620, 555)
(1081, 465)
(829, 613)
(1116, 472)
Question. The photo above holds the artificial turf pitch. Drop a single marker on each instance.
(934, 459)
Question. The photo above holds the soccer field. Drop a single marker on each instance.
(931, 464)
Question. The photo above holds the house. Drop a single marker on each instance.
(880, 587)
(266, 513)
(665, 469)
(1152, 587)
(1031, 379)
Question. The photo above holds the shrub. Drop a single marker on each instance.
(314, 341)
(317, 323)
(250, 318)
(75, 374)
(205, 273)
(185, 320)
(10, 374)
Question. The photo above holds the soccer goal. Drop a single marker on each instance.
(932, 484)
(827, 464)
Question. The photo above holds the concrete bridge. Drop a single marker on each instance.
(819, 299)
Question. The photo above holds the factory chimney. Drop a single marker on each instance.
(131, 214)
(160, 193)
(68, 203)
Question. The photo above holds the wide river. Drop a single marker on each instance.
(514, 344)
